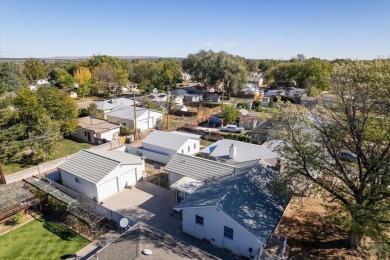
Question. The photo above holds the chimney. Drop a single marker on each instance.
(278, 165)
(232, 151)
(91, 120)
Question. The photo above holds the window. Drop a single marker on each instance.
(189, 149)
(182, 150)
(77, 180)
(195, 146)
(199, 220)
(85, 133)
(228, 232)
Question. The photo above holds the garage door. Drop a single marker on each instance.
(107, 189)
(127, 179)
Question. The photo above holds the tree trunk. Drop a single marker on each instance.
(353, 241)
(2, 176)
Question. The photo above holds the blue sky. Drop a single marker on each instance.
(358, 29)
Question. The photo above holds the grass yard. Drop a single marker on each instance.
(63, 148)
(205, 142)
(40, 240)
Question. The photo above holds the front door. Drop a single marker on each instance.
(89, 136)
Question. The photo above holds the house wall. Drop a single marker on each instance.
(214, 221)
(84, 187)
(159, 149)
(82, 134)
(174, 177)
(190, 147)
(144, 122)
(109, 135)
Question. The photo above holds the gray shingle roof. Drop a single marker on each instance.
(168, 140)
(247, 198)
(245, 151)
(200, 168)
(94, 165)
(130, 244)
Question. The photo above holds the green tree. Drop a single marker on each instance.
(61, 78)
(93, 111)
(230, 114)
(83, 77)
(59, 107)
(35, 69)
(11, 77)
(356, 123)
(252, 65)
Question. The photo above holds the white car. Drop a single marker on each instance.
(232, 129)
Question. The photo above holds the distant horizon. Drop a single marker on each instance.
(280, 30)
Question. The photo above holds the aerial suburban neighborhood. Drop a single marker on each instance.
(194, 130)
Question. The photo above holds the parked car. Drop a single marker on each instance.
(232, 129)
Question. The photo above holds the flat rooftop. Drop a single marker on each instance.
(96, 124)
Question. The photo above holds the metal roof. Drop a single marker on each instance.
(94, 165)
(248, 198)
(167, 140)
(245, 151)
(127, 112)
(150, 155)
(113, 103)
(198, 168)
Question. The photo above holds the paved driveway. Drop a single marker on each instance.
(153, 205)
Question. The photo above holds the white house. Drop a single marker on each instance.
(187, 173)
(185, 76)
(232, 152)
(33, 87)
(161, 146)
(72, 94)
(96, 131)
(42, 82)
(177, 100)
(98, 174)
(250, 89)
(265, 101)
(236, 213)
(258, 81)
(146, 118)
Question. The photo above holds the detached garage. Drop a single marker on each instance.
(98, 174)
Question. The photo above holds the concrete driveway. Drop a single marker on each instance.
(147, 203)
(153, 205)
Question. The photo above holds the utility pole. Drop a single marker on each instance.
(135, 116)
(167, 107)
(223, 88)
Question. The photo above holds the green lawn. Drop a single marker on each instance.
(35, 241)
(64, 147)
(205, 142)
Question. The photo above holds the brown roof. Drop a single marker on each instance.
(95, 124)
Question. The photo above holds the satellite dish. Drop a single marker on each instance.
(124, 222)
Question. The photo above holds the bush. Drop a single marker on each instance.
(126, 131)
(242, 105)
(256, 103)
(18, 218)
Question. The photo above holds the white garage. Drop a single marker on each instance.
(98, 174)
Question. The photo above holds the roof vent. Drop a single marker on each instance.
(232, 151)
(147, 252)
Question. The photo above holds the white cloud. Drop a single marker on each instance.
(229, 44)
(208, 44)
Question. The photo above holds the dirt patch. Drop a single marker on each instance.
(8, 224)
(310, 233)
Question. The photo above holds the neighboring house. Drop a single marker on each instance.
(193, 98)
(265, 101)
(177, 100)
(109, 105)
(274, 93)
(96, 131)
(250, 90)
(188, 173)
(98, 174)
(146, 118)
(262, 132)
(132, 243)
(160, 146)
(258, 81)
(211, 97)
(72, 94)
(42, 82)
(232, 152)
(248, 122)
(185, 76)
(177, 92)
(237, 213)
(295, 93)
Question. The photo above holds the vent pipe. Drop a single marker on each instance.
(232, 151)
